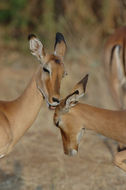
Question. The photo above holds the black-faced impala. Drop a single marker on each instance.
(72, 117)
(18, 115)
(115, 66)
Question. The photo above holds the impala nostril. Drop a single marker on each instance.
(55, 100)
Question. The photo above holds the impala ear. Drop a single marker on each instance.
(81, 86)
(71, 100)
(60, 46)
(77, 92)
(36, 47)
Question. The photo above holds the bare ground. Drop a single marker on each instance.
(37, 162)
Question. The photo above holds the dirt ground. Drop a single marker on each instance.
(37, 162)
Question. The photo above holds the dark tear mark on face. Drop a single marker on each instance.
(57, 123)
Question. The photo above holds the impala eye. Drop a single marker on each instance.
(45, 70)
(57, 123)
(57, 61)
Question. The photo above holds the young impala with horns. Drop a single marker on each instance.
(18, 115)
(115, 66)
(72, 117)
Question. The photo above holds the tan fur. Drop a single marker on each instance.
(71, 120)
(18, 115)
(117, 86)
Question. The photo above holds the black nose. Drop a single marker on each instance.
(55, 100)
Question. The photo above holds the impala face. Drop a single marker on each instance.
(71, 139)
(52, 68)
(66, 119)
(52, 72)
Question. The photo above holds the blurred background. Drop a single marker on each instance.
(80, 21)
(37, 162)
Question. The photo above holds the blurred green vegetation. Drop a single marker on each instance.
(77, 19)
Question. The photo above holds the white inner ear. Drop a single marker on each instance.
(80, 135)
(36, 48)
(81, 95)
(70, 102)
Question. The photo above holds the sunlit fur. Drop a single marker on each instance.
(51, 81)
(115, 66)
(17, 116)
(52, 67)
(71, 120)
(63, 118)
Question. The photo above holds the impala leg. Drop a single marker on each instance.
(120, 157)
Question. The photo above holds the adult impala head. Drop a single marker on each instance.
(51, 68)
(64, 118)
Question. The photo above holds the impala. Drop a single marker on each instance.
(115, 66)
(18, 115)
(72, 118)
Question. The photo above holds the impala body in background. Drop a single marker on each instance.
(72, 118)
(18, 115)
(115, 66)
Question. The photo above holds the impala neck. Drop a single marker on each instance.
(23, 111)
(106, 122)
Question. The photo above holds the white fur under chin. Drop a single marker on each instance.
(72, 152)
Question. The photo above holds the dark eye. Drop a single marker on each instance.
(57, 61)
(45, 70)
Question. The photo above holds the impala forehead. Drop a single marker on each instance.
(57, 68)
(53, 59)
(69, 125)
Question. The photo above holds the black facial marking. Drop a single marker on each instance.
(121, 149)
(30, 36)
(76, 92)
(57, 123)
(45, 70)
